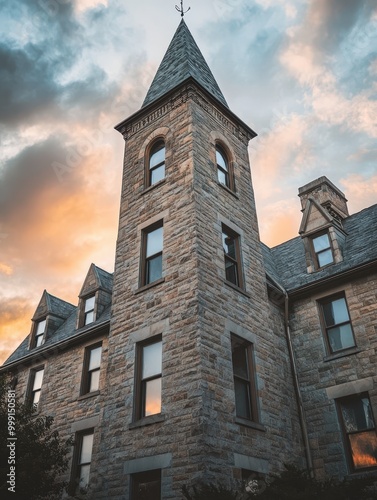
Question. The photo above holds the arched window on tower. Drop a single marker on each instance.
(224, 173)
(156, 163)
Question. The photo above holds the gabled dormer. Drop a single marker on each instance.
(95, 296)
(48, 317)
(324, 208)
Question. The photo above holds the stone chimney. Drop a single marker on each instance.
(325, 193)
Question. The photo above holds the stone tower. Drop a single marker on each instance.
(198, 378)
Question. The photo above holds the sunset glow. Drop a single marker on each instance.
(301, 74)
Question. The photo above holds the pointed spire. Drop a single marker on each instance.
(182, 60)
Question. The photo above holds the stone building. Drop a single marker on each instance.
(209, 356)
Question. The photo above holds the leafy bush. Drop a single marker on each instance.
(291, 484)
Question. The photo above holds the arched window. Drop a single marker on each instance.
(223, 168)
(156, 164)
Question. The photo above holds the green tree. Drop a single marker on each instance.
(38, 455)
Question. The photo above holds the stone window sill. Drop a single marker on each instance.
(150, 188)
(228, 190)
(150, 285)
(342, 354)
(88, 395)
(238, 289)
(251, 424)
(151, 419)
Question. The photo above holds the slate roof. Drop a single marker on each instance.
(105, 279)
(65, 332)
(182, 60)
(58, 306)
(286, 264)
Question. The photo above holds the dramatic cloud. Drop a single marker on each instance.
(302, 74)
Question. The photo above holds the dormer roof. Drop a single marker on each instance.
(183, 60)
(315, 217)
(49, 304)
(96, 279)
(286, 263)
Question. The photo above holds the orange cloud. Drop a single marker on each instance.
(15, 325)
(279, 222)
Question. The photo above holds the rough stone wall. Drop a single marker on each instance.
(225, 310)
(60, 393)
(169, 308)
(194, 311)
(321, 375)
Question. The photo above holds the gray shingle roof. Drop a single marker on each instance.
(286, 264)
(65, 332)
(182, 60)
(58, 306)
(105, 279)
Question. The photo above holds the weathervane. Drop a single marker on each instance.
(181, 10)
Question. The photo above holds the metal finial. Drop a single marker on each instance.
(181, 10)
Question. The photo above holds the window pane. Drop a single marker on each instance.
(220, 160)
(89, 317)
(154, 269)
(157, 156)
(38, 377)
(95, 358)
(231, 272)
(86, 448)
(154, 242)
(39, 340)
(84, 476)
(89, 304)
(41, 327)
(357, 414)
(321, 243)
(36, 397)
(94, 381)
(243, 409)
(222, 177)
(147, 486)
(325, 258)
(153, 397)
(229, 246)
(152, 360)
(364, 449)
(157, 174)
(341, 337)
(239, 357)
(335, 312)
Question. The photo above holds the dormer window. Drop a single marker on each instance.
(322, 250)
(39, 333)
(156, 164)
(89, 310)
(224, 174)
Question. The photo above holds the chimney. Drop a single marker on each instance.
(326, 194)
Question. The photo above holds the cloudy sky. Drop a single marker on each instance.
(301, 73)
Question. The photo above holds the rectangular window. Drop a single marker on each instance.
(39, 333)
(232, 256)
(82, 461)
(89, 310)
(149, 375)
(91, 372)
(359, 431)
(323, 250)
(152, 241)
(146, 485)
(337, 324)
(36, 379)
(244, 380)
